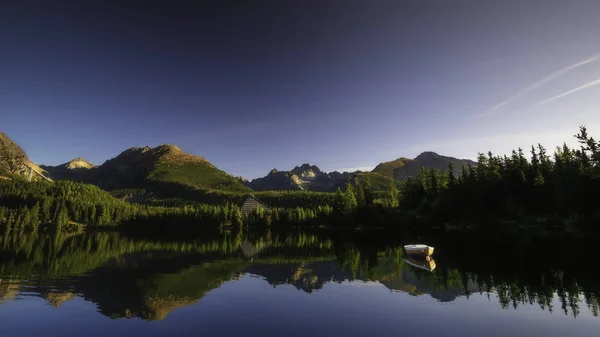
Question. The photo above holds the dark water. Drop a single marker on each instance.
(295, 284)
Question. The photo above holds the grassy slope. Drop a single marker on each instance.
(378, 181)
(197, 175)
(387, 168)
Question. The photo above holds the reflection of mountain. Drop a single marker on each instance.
(419, 283)
(159, 287)
(135, 278)
(8, 290)
(304, 276)
(127, 278)
(56, 299)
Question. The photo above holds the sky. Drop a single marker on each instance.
(257, 85)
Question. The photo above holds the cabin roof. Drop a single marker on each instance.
(251, 203)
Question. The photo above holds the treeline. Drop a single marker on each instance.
(29, 206)
(514, 187)
(65, 205)
(55, 255)
(354, 205)
(190, 196)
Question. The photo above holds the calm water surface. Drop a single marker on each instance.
(295, 284)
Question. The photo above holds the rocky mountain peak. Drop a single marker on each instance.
(78, 163)
(427, 155)
(305, 170)
(168, 147)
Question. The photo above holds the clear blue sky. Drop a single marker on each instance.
(274, 84)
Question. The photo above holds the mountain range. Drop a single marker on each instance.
(140, 167)
(305, 177)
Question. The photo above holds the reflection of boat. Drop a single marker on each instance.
(419, 250)
(422, 264)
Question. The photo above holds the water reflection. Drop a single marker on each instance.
(129, 277)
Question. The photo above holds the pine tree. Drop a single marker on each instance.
(451, 177)
(62, 219)
(393, 195)
(34, 221)
(433, 183)
(237, 219)
(339, 202)
(367, 191)
(360, 195)
(350, 199)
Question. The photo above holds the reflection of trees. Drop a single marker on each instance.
(129, 277)
(44, 256)
(512, 286)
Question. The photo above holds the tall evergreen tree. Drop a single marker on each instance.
(451, 177)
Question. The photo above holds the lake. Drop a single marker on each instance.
(295, 284)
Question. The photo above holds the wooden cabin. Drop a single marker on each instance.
(251, 204)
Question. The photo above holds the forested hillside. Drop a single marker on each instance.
(562, 185)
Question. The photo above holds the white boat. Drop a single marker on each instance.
(418, 250)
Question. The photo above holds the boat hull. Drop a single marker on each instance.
(423, 251)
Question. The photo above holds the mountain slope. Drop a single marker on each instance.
(75, 169)
(149, 167)
(387, 168)
(12, 157)
(403, 168)
(14, 161)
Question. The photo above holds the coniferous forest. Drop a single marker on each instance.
(554, 189)
(558, 186)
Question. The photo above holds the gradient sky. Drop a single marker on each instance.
(274, 84)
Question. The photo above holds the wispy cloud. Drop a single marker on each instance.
(540, 83)
(585, 86)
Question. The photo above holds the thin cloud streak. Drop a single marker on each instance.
(585, 86)
(540, 83)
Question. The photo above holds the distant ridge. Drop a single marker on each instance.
(308, 177)
(304, 177)
(167, 166)
(404, 168)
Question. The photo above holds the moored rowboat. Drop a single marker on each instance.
(418, 250)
